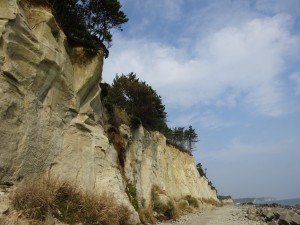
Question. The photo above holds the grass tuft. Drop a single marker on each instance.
(192, 201)
(166, 208)
(131, 189)
(38, 200)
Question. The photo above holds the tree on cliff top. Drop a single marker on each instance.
(139, 100)
(183, 138)
(88, 22)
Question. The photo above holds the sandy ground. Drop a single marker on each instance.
(227, 215)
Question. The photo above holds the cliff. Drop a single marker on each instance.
(52, 119)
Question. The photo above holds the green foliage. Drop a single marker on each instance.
(222, 197)
(135, 122)
(184, 138)
(203, 174)
(212, 186)
(144, 107)
(131, 189)
(104, 90)
(139, 100)
(88, 22)
(101, 16)
(200, 170)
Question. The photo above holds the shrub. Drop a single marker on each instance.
(168, 209)
(184, 207)
(39, 199)
(116, 138)
(192, 201)
(222, 197)
(135, 122)
(146, 215)
(35, 199)
(211, 201)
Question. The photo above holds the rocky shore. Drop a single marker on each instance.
(274, 214)
(243, 215)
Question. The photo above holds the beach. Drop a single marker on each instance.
(227, 215)
(235, 215)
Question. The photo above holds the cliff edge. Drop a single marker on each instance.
(51, 119)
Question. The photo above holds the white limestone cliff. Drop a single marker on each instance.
(51, 118)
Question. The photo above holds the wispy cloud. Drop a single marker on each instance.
(231, 70)
(210, 120)
(248, 60)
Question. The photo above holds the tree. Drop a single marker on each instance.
(190, 136)
(103, 15)
(88, 22)
(139, 100)
(184, 138)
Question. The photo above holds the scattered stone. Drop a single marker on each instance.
(273, 214)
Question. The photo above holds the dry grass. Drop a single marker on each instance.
(146, 215)
(36, 3)
(39, 199)
(192, 201)
(184, 207)
(35, 199)
(166, 210)
(117, 140)
(211, 201)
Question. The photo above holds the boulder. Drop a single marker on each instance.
(295, 219)
(269, 216)
(285, 219)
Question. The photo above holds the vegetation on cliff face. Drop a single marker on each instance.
(145, 107)
(138, 99)
(203, 174)
(87, 22)
(183, 138)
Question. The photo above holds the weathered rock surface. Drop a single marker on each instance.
(51, 118)
(150, 161)
(274, 215)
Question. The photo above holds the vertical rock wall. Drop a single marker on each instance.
(151, 162)
(50, 117)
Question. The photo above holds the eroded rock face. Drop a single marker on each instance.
(50, 109)
(47, 94)
(151, 162)
(51, 116)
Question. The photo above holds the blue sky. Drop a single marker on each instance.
(231, 69)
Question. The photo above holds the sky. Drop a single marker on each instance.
(231, 69)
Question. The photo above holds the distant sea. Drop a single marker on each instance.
(268, 200)
(294, 201)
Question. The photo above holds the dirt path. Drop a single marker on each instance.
(227, 215)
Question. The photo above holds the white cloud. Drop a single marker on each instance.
(210, 120)
(247, 60)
